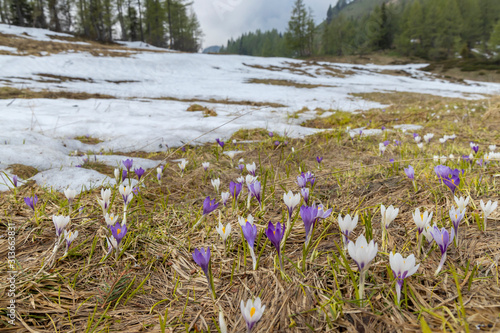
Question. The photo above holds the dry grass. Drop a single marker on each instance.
(287, 83)
(9, 92)
(30, 47)
(207, 112)
(222, 101)
(156, 275)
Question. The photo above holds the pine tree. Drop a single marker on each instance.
(494, 43)
(300, 32)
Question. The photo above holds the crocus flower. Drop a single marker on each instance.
(126, 192)
(69, 237)
(462, 203)
(224, 232)
(309, 215)
(410, 172)
(241, 167)
(252, 312)
(182, 165)
(249, 179)
(243, 221)
(397, 143)
(118, 231)
(60, 222)
(124, 175)
(382, 148)
(240, 179)
(159, 172)
(31, 201)
(275, 235)
(291, 201)
(70, 194)
(456, 216)
(250, 233)
(427, 233)
(443, 239)
(487, 210)
(492, 147)
(363, 254)
(205, 165)
(251, 168)
(271, 134)
(139, 172)
(428, 137)
(322, 213)
(347, 225)
(305, 194)
(319, 159)
(454, 181)
(117, 175)
(235, 189)
(209, 206)
(301, 181)
(255, 189)
(14, 180)
(128, 164)
(401, 269)
(474, 147)
(389, 214)
(224, 197)
(110, 219)
(202, 258)
(220, 142)
(309, 177)
(104, 203)
(216, 183)
(421, 220)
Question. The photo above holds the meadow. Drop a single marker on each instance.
(135, 264)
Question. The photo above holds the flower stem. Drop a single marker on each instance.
(441, 263)
(362, 275)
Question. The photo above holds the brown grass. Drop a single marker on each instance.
(9, 92)
(287, 83)
(23, 171)
(207, 112)
(222, 101)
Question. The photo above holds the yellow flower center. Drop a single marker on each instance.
(422, 216)
(442, 238)
(118, 231)
(252, 312)
(456, 216)
(69, 235)
(274, 232)
(223, 230)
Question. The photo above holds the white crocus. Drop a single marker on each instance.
(205, 165)
(462, 203)
(243, 221)
(252, 312)
(70, 194)
(401, 269)
(492, 147)
(60, 223)
(126, 192)
(363, 254)
(251, 168)
(417, 139)
(427, 233)
(442, 159)
(182, 165)
(347, 225)
(224, 197)
(249, 179)
(381, 148)
(487, 210)
(69, 237)
(222, 323)
(428, 137)
(224, 231)
(216, 184)
(118, 176)
(104, 203)
(291, 201)
(420, 145)
(110, 219)
(240, 179)
(421, 220)
(389, 214)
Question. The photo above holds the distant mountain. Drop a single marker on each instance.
(212, 49)
(358, 8)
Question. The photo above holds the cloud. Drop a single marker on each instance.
(221, 20)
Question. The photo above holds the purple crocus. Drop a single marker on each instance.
(386, 142)
(410, 172)
(322, 213)
(308, 215)
(220, 142)
(209, 206)
(305, 194)
(139, 172)
(250, 233)
(466, 158)
(255, 189)
(456, 217)
(124, 175)
(275, 235)
(415, 135)
(14, 180)
(301, 181)
(397, 143)
(309, 177)
(443, 239)
(442, 171)
(128, 164)
(474, 147)
(319, 159)
(235, 189)
(31, 201)
(383, 128)
(241, 167)
(118, 231)
(271, 134)
(202, 258)
(449, 177)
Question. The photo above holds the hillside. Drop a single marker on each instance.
(357, 8)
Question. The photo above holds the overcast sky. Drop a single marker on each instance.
(222, 19)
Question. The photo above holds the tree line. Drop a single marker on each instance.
(430, 29)
(165, 23)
